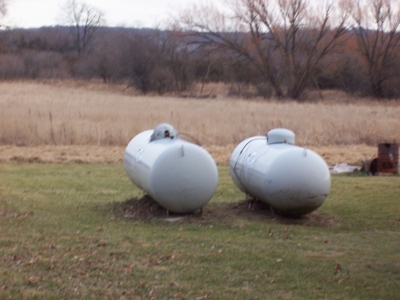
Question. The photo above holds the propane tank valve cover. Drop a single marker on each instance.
(164, 131)
(280, 136)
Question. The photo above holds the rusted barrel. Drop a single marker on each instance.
(388, 158)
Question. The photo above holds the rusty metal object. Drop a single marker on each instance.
(388, 159)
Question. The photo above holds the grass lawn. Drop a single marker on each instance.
(65, 234)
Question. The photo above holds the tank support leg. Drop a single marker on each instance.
(250, 201)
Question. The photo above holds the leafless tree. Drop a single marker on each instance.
(285, 40)
(144, 61)
(84, 21)
(376, 26)
(3, 9)
(176, 56)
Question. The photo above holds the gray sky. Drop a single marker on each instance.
(147, 13)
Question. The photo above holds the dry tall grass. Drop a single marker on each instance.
(36, 114)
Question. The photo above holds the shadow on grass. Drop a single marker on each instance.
(146, 209)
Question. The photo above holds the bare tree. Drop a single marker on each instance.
(376, 26)
(175, 54)
(144, 61)
(3, 9)
(84, 21)
(285, 40)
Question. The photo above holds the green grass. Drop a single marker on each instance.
(63, 235)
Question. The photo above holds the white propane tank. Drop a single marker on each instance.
(293, 181)
(180, 176)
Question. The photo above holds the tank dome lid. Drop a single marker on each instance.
(280, 136)
(164, 131)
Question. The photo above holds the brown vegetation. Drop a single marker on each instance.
(89, 122)
(274, 48)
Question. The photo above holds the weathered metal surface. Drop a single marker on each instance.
(388, 158)
(180, 176)
(290, 179)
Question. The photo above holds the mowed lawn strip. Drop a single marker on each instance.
(65, 233)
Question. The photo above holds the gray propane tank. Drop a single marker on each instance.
(180, 176)
(293, 181)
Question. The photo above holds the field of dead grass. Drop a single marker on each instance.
(89, 122)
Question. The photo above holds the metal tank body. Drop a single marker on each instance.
(292, 180)
(180, 176)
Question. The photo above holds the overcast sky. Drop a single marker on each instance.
(147, 13)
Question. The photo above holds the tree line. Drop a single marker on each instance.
(276, 48)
